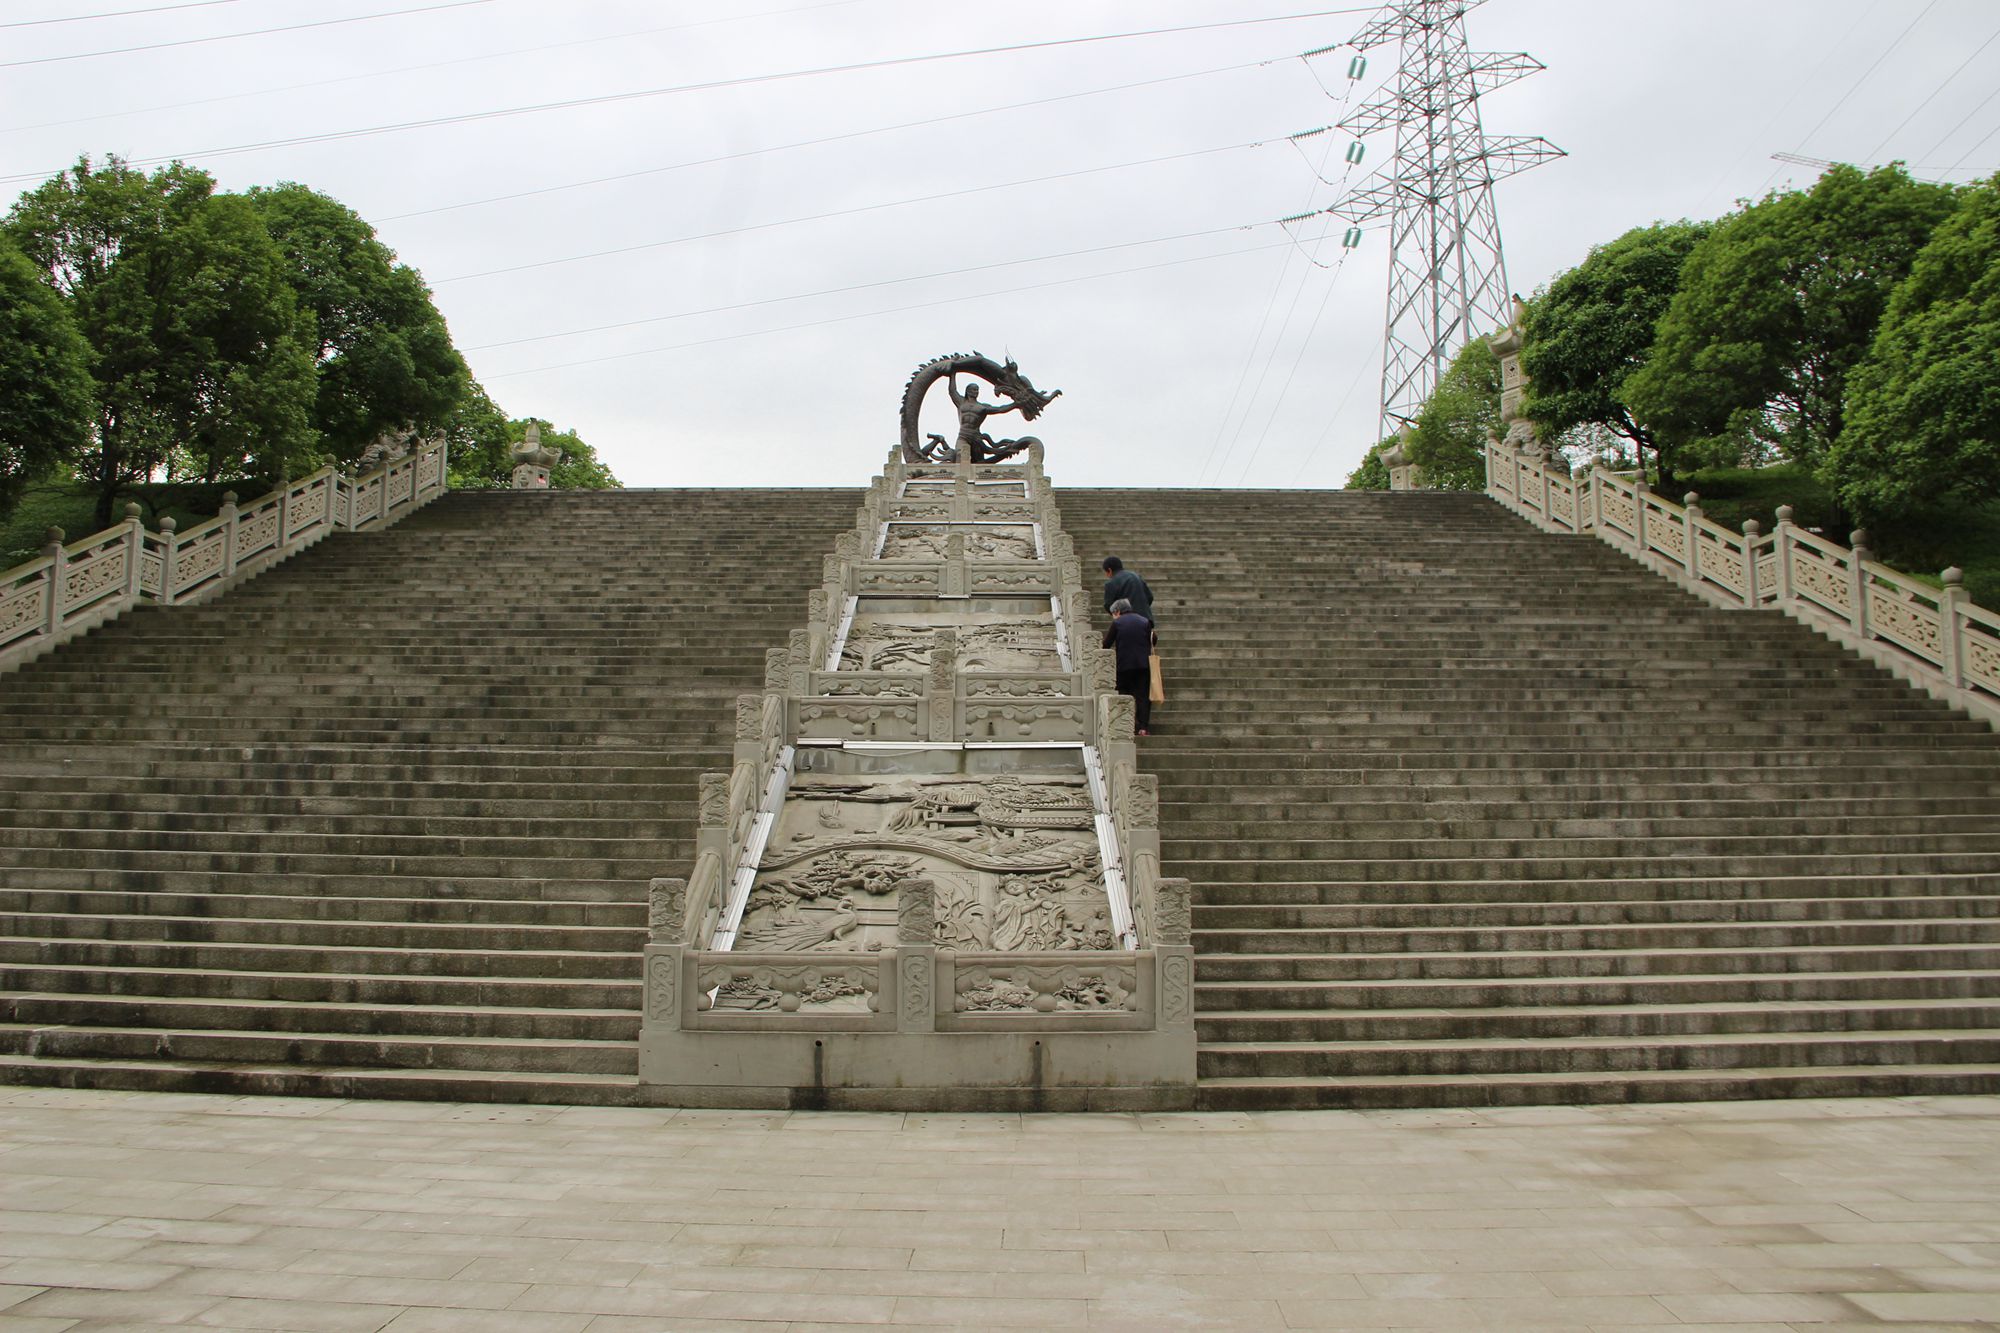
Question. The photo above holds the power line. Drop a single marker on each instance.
(1963, 122)
(234, 36)
(1855, 87)
(834, 213)
(431, 64)
(856, 287)
(815, 143)
(117, 14)
(893, 310)
(707, 86)
(1943, 83)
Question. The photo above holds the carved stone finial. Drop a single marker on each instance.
(916, 912)
(1858, 539)
(749, 717)
(799, 644)
(1692, 499)
(132, 510)
(1784, 513)
(777, 669)
(52, 541)
(666, 911)
(1173, 921)
(1953, 577)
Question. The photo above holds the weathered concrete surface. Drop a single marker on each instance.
(128, 1209)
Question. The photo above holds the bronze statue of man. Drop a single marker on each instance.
(974, 444)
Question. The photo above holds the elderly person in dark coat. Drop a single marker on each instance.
(1132, 635)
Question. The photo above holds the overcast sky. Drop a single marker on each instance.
(788, 248)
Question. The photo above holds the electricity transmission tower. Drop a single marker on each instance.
(1447, 276)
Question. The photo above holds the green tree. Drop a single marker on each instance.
(1776, 305)
(1373, 473)
(476, 440)
(199, 351)
(384, 358)
(45, 387)
(1593, 327)
(1923, 411)
(1448, 442)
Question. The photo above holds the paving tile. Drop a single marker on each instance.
(150, 1306)
(1940, 1306)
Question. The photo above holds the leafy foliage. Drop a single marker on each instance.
(1923, 411)
(1448, 443)
(1373, 474)
(1593, 328)
(199, 351)
(1776, 305)
(383, 354)
(45, 385)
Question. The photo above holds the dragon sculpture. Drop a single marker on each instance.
(973, 444)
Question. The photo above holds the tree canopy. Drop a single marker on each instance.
(1923, 411)
(1448, 442)
(45, 385)
(1776, 305)
(199, 348)
(155, 327)
(1594, 327)
(383, 354)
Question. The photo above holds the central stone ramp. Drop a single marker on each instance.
(1477, 815)
(379, 822)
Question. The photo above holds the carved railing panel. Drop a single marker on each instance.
(1933, 637)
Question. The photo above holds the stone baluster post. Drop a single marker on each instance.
(1173, 957)
(135, 551)
(1951, 627)
(799, 653)
(916, 956)
(1858, 579)
(667, 913)
(1596, 483)
(1781, 546)
(941, 688)
(170, 550)
(52, 547)
(1639, 493)
(1691, 531)
(228, 516)
(1752, 591)
(953, 578)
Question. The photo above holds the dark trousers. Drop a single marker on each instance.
(1138, 682)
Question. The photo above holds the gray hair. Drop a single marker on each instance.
(1121, 606)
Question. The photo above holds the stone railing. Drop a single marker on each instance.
(1935, 638)
(918, 730)
(72, 588)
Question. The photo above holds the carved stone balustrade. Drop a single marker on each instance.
(932, 877)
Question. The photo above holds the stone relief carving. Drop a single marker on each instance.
(1111, 985)
(997, 645)
(663, 987)
(1011, 863)
(712, 802)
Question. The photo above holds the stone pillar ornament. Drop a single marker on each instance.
(532, 461)
(1518, 433)
(666, 911)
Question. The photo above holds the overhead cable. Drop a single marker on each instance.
(117, 13)
(747, 80)
(234, 36)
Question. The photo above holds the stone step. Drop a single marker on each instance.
(1552, 1055)
(288, 1080)
(1259, 1093)
(1213, 922)
(1555, 994)
(1631, 961)
(477, 1054)
(279, 1016)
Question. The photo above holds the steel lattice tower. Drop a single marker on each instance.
(1447, 275)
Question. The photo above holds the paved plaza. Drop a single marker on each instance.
(133, 1210)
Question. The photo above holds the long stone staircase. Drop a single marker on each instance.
(1477, 815)
(380, 822)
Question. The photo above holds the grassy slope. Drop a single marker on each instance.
(74, 510)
